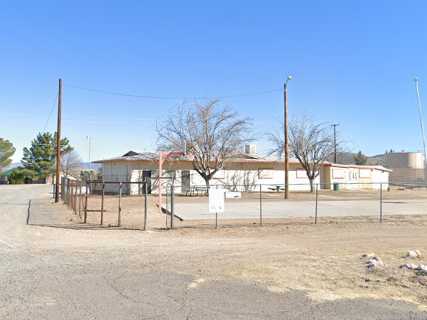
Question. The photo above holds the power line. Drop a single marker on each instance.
(50, 113)
(420, 115)
(123, 94)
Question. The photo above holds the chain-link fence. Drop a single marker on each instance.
(141, 205)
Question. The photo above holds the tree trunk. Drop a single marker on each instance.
(311, 184)
(207, 181)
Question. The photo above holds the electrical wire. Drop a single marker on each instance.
(50, 113)
(123, 94)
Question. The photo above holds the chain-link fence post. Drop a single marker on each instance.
(172, 204)
(316, 205)
(102, 204)
(381, 202)
(119, 213)
(260, 204)
(145, 204)
(85, 207)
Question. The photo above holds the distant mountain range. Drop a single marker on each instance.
(84, 165)
(89, 165)
(344, 158)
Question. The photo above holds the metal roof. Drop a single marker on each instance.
(238, 158)
(132, 156)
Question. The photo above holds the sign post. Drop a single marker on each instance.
(216, 203)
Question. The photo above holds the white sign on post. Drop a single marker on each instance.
(216, 200)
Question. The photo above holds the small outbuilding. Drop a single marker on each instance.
(353, 177)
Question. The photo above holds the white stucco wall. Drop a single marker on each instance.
(350, 178)
(241, 180)
(359, 178)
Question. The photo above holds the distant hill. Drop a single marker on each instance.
(84, 165)
(344, 158)
(89, 165)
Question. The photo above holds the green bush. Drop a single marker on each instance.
(20, 176)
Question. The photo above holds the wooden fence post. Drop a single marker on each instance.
(80, 199)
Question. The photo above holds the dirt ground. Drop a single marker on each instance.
(287, 254)
(59, 268)
(326, 262)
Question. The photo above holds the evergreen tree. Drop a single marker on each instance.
(360, 158)
(40, 157)
(6, 152)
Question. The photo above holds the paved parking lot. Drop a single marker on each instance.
(250, 208)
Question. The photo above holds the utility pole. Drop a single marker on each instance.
(58, 141)
(89, 141)
(334, 125)
(286, 142)
(420, 115)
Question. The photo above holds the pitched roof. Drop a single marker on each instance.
(339, 165)
(134, 156)
(239, 158)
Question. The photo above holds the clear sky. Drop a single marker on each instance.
(353, 63)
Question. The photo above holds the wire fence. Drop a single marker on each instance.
(141, 205)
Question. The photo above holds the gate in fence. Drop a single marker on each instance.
(118, 204)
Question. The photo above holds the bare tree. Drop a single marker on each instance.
(235, 181)
(312, 144)
(71, 164)
(245, 179)
(209, 133)
(249, 180)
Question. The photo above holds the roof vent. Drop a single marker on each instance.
(250, 149)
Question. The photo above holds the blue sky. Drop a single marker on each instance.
(352, 61)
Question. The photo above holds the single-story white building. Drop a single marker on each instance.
(353, 177)
(244, 172)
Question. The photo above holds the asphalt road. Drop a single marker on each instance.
(65, 273)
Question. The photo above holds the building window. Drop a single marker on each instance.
(338, 173)
(265, 174)
(301, 174)
(219, 175)
(365, 173)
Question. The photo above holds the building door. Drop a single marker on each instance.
(185, 181)
(146, 176)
